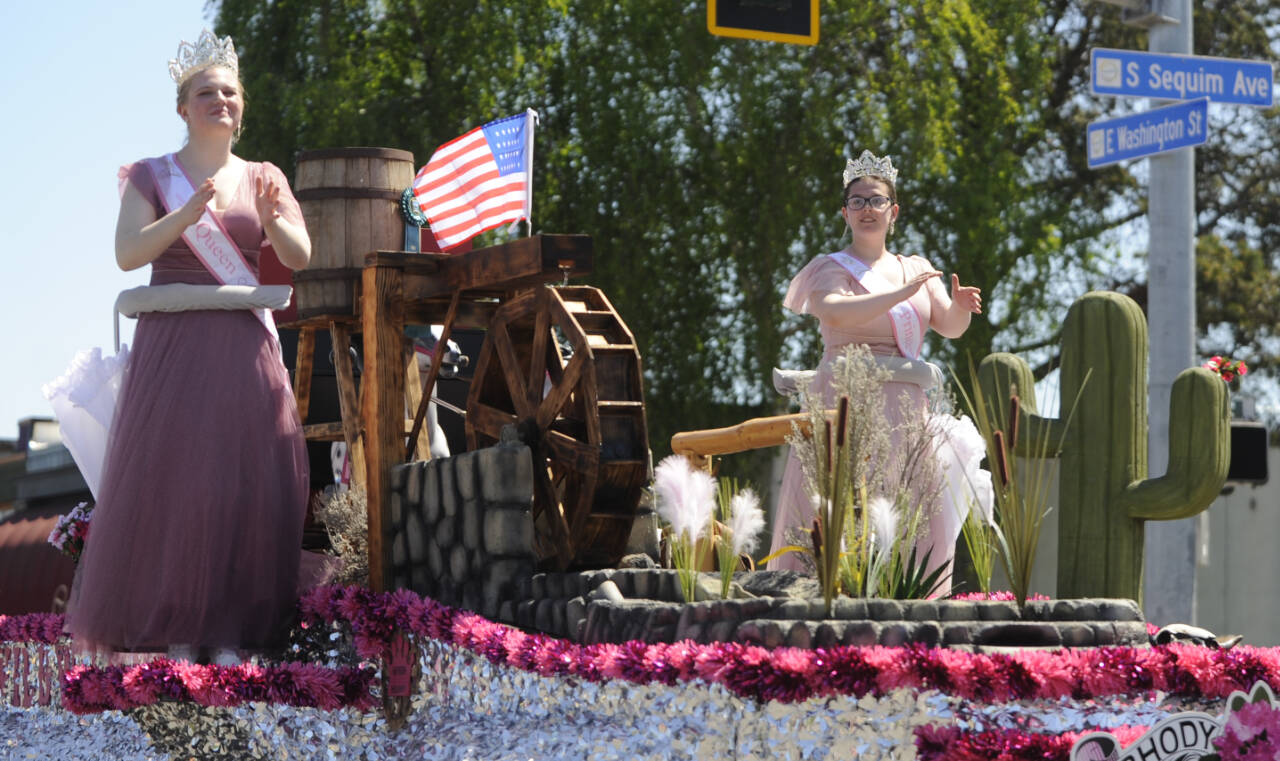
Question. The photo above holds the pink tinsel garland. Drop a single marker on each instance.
(42, 628)
(90, 689)
(784, 674)
(790, 674)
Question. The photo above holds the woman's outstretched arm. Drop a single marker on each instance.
(846, 310)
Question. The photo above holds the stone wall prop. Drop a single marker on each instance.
(462, 533)
(461, 528)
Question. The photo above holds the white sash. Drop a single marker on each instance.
(207, 238)
(908, 327)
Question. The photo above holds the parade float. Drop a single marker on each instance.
(497, 622)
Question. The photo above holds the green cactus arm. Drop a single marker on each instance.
(1199, 452)
(998, 375)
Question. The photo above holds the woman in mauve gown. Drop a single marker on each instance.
(196, 535)
(852, 293)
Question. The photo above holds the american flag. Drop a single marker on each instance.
(479, 181)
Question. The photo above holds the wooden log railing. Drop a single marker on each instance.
(756, 433)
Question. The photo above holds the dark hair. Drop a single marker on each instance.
(893, 192)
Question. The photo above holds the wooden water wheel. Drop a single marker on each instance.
(559, 364)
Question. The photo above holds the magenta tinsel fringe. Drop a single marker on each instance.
(41, 628)
(89, 689)
(1003, 595)
(936, 743)
(783, 674)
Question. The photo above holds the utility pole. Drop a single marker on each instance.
(1170, 558)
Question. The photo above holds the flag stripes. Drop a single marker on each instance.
(477, 181)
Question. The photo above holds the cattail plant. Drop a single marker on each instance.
(1021, 483)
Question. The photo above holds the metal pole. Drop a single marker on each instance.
(1170, 563)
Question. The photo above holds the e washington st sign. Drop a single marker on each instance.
(1155, 131)
(1167, 76)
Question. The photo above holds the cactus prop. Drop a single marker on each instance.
(1104, 495)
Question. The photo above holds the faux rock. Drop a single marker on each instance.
(508, 532)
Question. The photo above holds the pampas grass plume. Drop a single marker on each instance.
(747, 521)
(884, 521)
(686, 496)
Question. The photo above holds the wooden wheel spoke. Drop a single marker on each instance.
(489, 420)
(547, 507)
(511, 372)
(581, 511)
(538, 357)
(577, 338)
(555, 401)
(579, 457)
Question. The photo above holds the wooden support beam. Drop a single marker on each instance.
(348, 401)
(303, 365)
(505, 267)
(437, 358)
(417, 449)
(333, 432)
(382, 317)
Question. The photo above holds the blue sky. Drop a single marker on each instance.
(85, 89)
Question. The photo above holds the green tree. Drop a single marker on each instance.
(707, 169)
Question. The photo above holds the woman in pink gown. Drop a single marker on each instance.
(850, 313)
(196, 535)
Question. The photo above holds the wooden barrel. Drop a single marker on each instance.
(350, 198)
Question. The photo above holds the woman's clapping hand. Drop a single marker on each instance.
(191, 211)
(266, 199)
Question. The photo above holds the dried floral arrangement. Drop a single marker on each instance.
(345, 516)
(874, 485)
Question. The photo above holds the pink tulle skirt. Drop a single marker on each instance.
(196, 534)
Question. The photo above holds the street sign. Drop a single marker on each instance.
(1167, 76)
(773, 20)
(1155, 131)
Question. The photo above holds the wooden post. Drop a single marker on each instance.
(303, 365)
(414, 398)
(348, 402)
(382, 317)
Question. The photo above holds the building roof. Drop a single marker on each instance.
(32, 571)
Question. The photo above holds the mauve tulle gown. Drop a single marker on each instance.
(822, 273)
(196, 536)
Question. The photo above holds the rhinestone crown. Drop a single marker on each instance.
(207, 51)
(868, 165)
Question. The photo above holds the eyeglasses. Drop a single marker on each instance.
(879, 203)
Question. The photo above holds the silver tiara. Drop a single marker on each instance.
(207, 51)
(868, 165)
